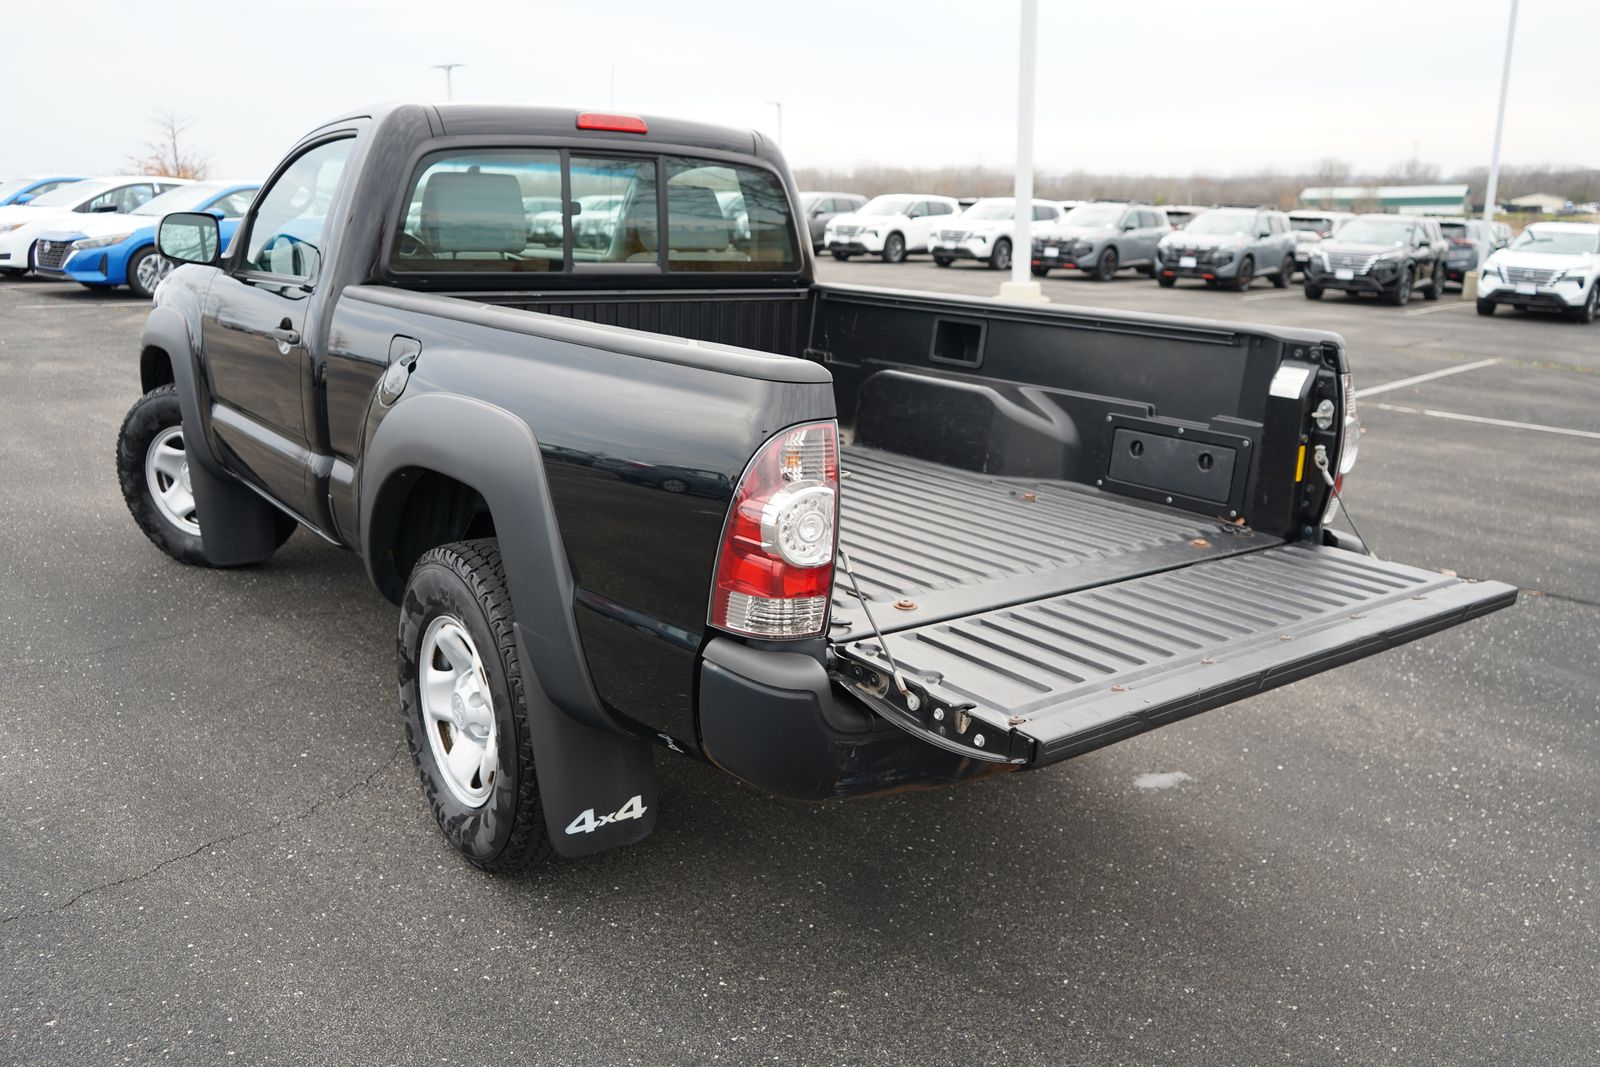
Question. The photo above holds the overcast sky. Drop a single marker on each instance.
(1167, 87)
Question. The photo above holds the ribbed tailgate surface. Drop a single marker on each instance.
(950, 542)
(1076, 671)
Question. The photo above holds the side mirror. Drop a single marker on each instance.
(1131, 224)
(817, 211)
(189, 237)
(574, 207)
(104, 209)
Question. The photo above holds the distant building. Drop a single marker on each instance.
(1404, 199)
(1543, 203)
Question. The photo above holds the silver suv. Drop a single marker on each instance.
(1229, 246)
(1102, 238)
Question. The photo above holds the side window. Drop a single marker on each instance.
(1043, 213)
(727, 218)
(918, 210)
(106, 201)
(938, 207)
(285, 235)
(235, 204)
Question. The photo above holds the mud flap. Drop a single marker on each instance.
(236, 525)
(1056, 677)
(598, 789)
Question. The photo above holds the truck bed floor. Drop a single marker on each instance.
(929, 542)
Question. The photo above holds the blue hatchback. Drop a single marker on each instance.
(109, 250)
(22, 190)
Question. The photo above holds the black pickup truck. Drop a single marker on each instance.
(635, 479)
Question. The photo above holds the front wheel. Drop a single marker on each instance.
(1285, 272)
(943, 261)
(1313, 292)
(894, 249)
(1485, 307)
(145, 271)
(463, 698)
(1400, 296)
(1166, 282)
(1000, 258)
(1106, 268)
(841, 256)
(1246, 275)
(1585, 312)
(1040, 272)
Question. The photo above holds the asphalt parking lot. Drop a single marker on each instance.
(216, 850)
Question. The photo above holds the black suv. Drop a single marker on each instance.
(1389, 255)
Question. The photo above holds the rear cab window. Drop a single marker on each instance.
(557, 211)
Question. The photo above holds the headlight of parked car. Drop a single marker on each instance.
(100, 242)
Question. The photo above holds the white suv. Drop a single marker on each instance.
(1551, 265)
(983, 231)
(892, 226)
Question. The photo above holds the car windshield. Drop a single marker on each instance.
(183, 198)
(991, 209)
(1453, 229)
(885, 205)
(73, 194)
(1223, 222)
(1093, 215)
(1559, 242)
(1311, 225)
(809, 200)
(11, 188)
(1375, 231)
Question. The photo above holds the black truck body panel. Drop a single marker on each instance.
(1035, 498)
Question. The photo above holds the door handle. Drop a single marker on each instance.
(285, 334)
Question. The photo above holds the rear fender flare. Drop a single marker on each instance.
(584, 758)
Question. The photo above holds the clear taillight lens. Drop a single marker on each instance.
(1349, 446)
(775, 569)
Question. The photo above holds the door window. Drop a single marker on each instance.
(286, 234)
(122, 199)
(235, 204)
(1043, 213)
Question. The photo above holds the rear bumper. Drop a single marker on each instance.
(776, 721)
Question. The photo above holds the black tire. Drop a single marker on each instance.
(1400, 295)
(1165, 282)
(942, 261)
(1040, 272)
(139, 257)
(1105, 268)
(1585, 312)
(12, 272)
(894, 248)
(1000, 256)
(1485, 307)
(1313, 292)
(1148, 270)
(466, 580)
(1285, 272)
(1352, 294)
(1435, 283)
(841, 256)
(151, 415)
(1245, 275)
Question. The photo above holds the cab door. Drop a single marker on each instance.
(255, 326)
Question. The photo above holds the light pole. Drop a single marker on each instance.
(1493, 190)
(779, 105)
(449, 89)
(1021, 286)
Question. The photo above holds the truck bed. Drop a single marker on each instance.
(929, 542)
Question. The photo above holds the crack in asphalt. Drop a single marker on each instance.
(1565, 598)
(223, 840)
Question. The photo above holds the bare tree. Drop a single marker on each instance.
(166, 153)
(1413, 172)
(1329, 171)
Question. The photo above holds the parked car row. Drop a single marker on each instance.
(101, 232)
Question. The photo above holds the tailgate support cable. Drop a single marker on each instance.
(1319, 456)
(894, 668)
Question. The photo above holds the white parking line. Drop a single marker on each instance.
(74, 305)
(1440, 307)
(1418, 378)
(1507, 423)
(1271, 296)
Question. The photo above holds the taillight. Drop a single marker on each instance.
(775, 569)
(1349, 445)
(591, 120)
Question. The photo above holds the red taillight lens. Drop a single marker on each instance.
(590, 120)
(775, 570)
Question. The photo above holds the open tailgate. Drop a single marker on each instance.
(1052, 678)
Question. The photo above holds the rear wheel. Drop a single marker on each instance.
(1285, 272)
(1313, 292)
(1000, 258)
(894, 249)
(463, 698)
(942, 261)
(1436, 283)
(1166, 282)
(841, 256)
(1106, 268)
(1246, 275)
(1485, 307)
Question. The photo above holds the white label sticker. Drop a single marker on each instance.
(1186, 261)
(1344, 274)
(1526, 289)
(1287, 382)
